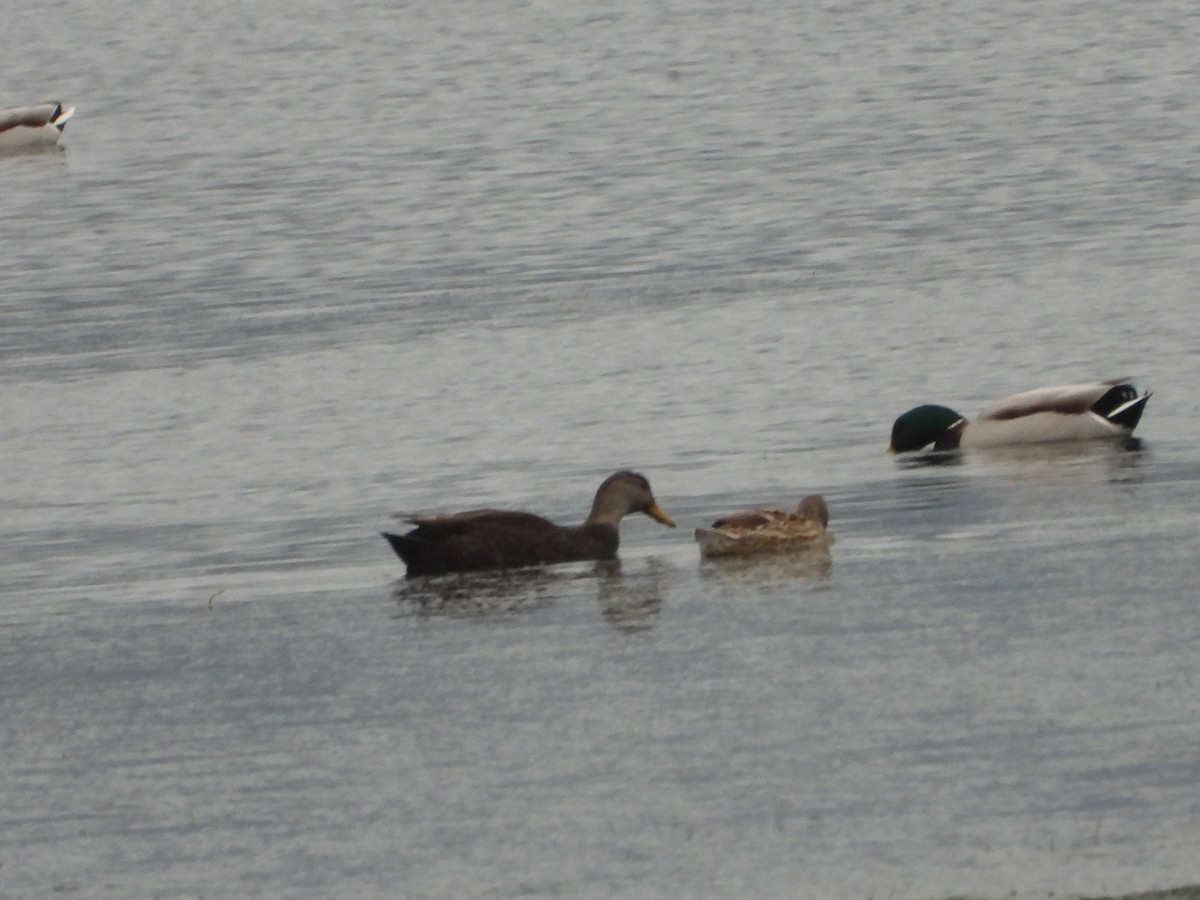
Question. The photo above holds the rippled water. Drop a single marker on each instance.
(300, 267)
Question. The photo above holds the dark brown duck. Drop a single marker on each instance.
(509, 539)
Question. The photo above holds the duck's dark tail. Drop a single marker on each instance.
(403, 546)
(1122, 406)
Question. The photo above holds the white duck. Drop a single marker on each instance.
(33, 127)
(1074, 412)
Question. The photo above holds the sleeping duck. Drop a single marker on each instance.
(33, 127)
(1075, 412)
(765, 531)
(508, 539)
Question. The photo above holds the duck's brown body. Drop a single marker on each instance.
(765, 531)
(497, 539)
(507, 539)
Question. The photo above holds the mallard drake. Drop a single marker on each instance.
(31, 127)
(508, 539)
(1074, 412)
(763, 531)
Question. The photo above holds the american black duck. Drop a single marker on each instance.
(508, 539)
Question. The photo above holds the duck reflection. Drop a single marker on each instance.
(1045, 460)
(1115, 460)
(628, 602)
(1066, 450)
(814, 564)
(932, 459)
(474, 595)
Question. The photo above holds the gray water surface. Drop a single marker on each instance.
(298, 268)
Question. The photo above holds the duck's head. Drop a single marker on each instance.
(814, 508)
(922, 426)
(623, 493)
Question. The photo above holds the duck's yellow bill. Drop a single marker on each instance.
(655, 512)
(891, 449)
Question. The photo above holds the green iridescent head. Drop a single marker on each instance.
(925, 425)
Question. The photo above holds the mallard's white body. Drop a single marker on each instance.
(1065, 413)
(1049, 414)
(33, 127)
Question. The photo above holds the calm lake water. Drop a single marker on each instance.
(300, 266)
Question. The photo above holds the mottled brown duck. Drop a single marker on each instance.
(509, 539)
(767, 531)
